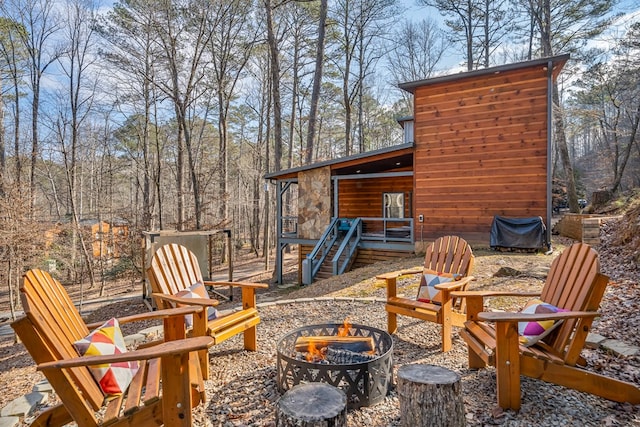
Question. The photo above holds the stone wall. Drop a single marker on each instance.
(314, 202)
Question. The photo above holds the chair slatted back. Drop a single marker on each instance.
(50, 327)
(574, 282)
(173, 269)
(449, 254)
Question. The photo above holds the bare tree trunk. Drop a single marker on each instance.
(619, 172)
(558, 118)
(2, 147)
(146, 180)
(563, 148)
(158, 177)
(317, 81)
(195, 183)
(34, 145)
(361, 71)
(10, 285)
(275, 86)
(469, 28)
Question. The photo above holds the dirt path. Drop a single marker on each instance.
(250, 268)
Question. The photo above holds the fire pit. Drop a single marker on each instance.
(354, 358)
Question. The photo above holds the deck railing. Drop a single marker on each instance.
(347, 249)
(387, 229)
(391, 230)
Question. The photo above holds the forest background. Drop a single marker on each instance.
(160, 114)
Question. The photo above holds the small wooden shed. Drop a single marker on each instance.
(481, 146)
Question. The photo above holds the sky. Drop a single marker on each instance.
(630, 9)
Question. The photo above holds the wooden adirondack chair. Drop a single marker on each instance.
(449, 254)
(167, 385)
(175, 268)
(574, 283)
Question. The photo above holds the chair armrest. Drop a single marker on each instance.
(475, 299)
(202, 302)
(396, 274)
(158, 314)
(163, 349)
(483, 294)
(455, 284)
(238, 284)
(534, 317)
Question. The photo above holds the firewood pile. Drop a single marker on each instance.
(337, 350)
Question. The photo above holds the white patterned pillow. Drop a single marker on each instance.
(532, 332)
(197, 290)
(113, 378)
(427, 291)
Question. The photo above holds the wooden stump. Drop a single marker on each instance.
(312, 405)
(430, 396)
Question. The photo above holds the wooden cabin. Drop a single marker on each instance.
(480, 147)
(108, 238)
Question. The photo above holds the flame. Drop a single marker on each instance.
(314, 354)
(344, 330)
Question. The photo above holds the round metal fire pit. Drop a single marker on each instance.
(365, 383)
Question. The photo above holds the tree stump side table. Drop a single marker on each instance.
(312, 405)
(430, 396)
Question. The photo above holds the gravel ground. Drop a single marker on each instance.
(243, 384)
(242, 388)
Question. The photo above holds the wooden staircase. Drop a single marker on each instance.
(326, 269)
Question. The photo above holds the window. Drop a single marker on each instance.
(393, 205)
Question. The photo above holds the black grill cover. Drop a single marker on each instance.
(519, 233)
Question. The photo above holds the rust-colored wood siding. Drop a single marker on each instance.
(481, 150)
(363, 197)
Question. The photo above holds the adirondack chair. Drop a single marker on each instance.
(166, 386)
(448, 254)
(173, 269)
(574, 283)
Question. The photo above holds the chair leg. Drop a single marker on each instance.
(392, 322)
(474, 306)
(200, 329)
(251, 339)
(446, 338)
(176, 391)
(196, 380)
(508, 365)
(445, 313)
(392, 318)
(250, 335)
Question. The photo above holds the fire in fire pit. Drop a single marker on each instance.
(354, 358)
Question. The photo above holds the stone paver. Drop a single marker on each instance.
(9, 421)
(153, 331)
(23, 405)
(43, 387)
(134, 339)
(594, 340)
(620, 348)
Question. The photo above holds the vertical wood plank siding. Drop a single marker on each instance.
(481, 150)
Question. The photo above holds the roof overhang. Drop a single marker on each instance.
(557, 62)
(382, 160)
